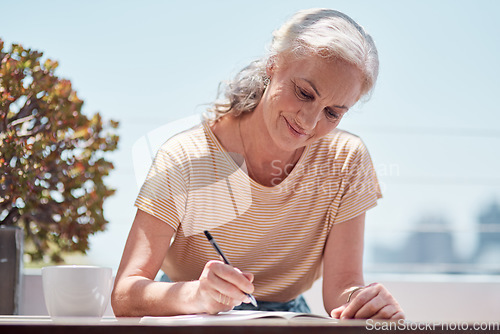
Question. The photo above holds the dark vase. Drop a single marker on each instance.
(11, 266)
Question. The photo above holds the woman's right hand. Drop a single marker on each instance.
(222, 287)
(136, 294)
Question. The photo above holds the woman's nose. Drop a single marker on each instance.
(308, 117)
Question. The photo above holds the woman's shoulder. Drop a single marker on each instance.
(339, 146)
(340, 139)
(187, 141)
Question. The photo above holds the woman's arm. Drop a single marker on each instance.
(343, 261)
(343, 271)
(135, 292)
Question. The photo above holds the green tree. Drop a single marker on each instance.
(52, 158)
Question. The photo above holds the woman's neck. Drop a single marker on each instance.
(248, 137)
(266, 162)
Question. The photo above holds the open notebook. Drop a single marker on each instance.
(232, 316)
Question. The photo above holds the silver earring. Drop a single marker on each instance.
(266, 81)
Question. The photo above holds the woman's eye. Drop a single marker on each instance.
(303, 95)
(331, 114)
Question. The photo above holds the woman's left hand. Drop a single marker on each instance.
(371, 302)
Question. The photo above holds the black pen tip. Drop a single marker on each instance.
(209, 237)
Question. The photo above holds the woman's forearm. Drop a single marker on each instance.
(337, 295)
(139, 296)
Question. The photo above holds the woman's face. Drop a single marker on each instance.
(306, 99)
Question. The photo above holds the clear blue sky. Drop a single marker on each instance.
(432, 126)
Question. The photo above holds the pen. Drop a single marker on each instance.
(226, 261)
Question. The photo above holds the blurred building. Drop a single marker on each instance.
(487, 252)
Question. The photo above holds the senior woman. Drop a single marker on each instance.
(281, 189)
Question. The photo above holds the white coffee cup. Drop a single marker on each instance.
(76, 291)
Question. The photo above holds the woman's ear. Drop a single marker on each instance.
(271, 66)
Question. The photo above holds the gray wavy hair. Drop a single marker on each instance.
(322, 32)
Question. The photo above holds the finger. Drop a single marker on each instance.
(217, 303)
(372, 307)
(214, 300)
(336, 312)
(223, 299)
(249, 276)
(386, 312)
(221, 302)
(399, 315)
(232, 275)
(225, 288)
(360, 299)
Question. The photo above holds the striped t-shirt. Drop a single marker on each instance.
(277, 233)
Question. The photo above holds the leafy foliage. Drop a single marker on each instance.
(52, 157)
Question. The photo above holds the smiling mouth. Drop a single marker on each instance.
(294, 130)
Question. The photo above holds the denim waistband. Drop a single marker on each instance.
(298, 304)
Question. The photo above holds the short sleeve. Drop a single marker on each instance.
(360, 189)
(164, 193)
